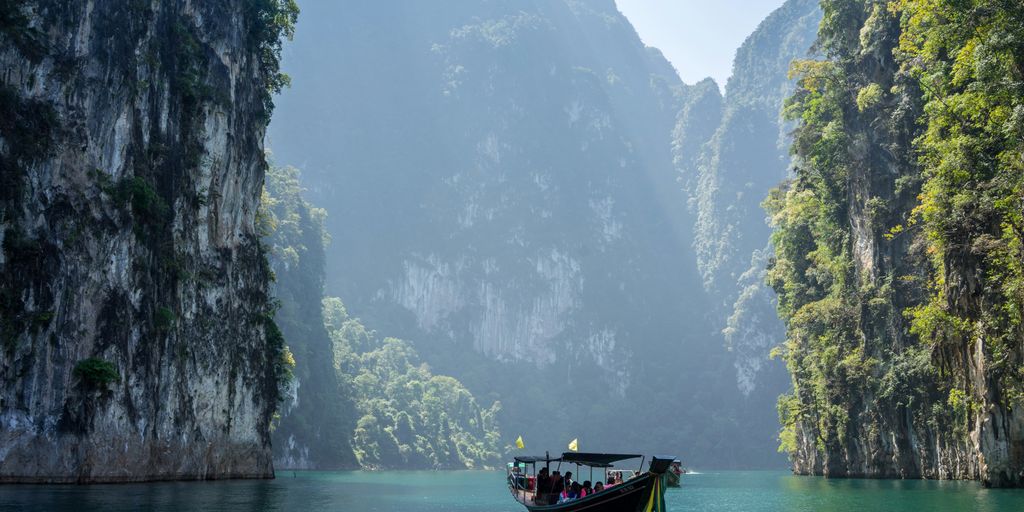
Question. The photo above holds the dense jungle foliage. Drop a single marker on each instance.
(969, 60)
(898, 243)
(409, 417)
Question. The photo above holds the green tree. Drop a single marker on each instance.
(411, 418)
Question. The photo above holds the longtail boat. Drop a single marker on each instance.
(674, 473)
(643, 492)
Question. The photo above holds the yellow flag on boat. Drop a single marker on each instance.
(519, 443)
(574, 445)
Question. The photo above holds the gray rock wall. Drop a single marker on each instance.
(132, 163)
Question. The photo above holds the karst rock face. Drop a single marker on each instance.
(133, 288)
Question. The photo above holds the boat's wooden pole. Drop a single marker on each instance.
(526, 482)
(547, 465)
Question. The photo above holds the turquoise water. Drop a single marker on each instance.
(417, 491)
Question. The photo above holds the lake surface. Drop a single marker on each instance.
(416, 491)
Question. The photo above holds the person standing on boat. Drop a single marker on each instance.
(543, 488)
(557, 486)
(568, 479)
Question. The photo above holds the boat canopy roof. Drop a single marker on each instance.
(597, 460)
(530, 459)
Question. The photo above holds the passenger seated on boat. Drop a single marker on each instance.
(587, 489)
(571, 493)
(568, 479)
(598, 487)
(611, 481)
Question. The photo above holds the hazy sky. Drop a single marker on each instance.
(700, 37)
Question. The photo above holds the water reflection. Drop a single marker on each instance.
(828, 495)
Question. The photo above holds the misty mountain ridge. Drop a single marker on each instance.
(505, 194)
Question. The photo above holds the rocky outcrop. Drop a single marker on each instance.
(134, 289)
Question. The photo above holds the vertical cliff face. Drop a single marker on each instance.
(134, 290)
(971, 211)
(727, 173)
(867, 401)
(897, 253)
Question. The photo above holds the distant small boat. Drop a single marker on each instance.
(674, 473)
(641, 492)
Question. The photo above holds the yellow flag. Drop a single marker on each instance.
(519, 443)
(574, 445)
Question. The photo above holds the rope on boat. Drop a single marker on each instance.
(656, 503)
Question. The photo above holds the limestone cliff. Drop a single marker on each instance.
(133, 288)
(897, 250)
